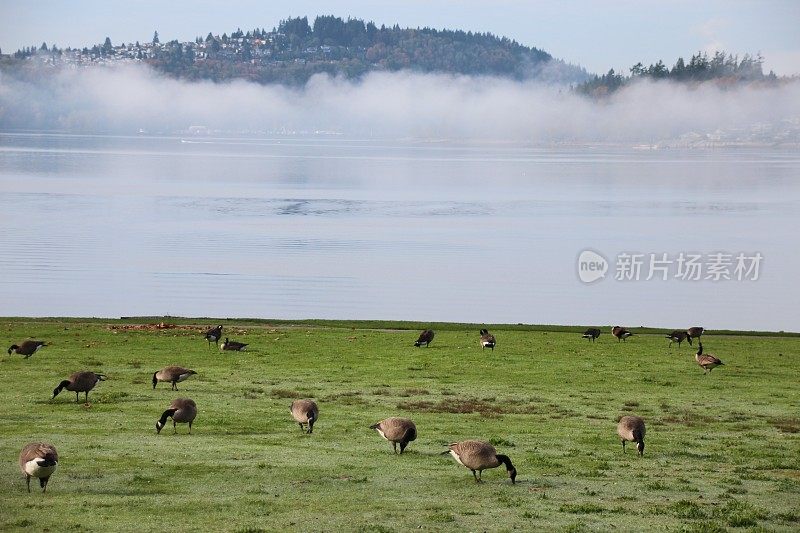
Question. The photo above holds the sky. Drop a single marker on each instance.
(596, 35)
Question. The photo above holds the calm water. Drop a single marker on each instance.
(333, 228)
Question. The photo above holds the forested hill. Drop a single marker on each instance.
(297, 49)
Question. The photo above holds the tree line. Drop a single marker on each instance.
(721, 67)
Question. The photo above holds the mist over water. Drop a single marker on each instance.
(412, 210)
(126, 99)
(348, 228)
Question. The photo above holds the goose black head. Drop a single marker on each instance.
(60, 387)
(13, 347)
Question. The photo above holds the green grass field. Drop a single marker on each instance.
(723, 450)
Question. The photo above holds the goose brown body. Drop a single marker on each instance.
(478, 456)
(708, 361)
(39, 460)
(181, 410)
(695, 333)
(487, 340)
(591, 333)
(425, 338)
(678, 336)
(631, 429)
(172, 374)
(213, 335)
(233, 346)
(26, 348)
(78, 382)
(620, 333)
(397, 431)
(305, 412)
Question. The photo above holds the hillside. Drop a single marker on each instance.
(296, 50)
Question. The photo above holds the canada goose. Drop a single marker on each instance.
(305, 412)
(591, 333)
(80, 382)
(477, 455)
(707, 361)
(232, 345)
(26, 348)
(631, 429)
(38, 459)
(181, 410)
(213, 335)
(678, 336)
(173, 374)
(620, 333)
(487, 340)
(694, 333)
(425, 338)
(395, 429)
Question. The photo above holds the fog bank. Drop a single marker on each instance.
(125, 100)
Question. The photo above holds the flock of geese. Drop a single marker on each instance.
(40, 460)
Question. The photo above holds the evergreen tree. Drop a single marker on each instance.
(155, 37)
(679, 70)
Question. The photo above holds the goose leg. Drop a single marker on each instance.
(623, 446)
(395, 446)
(44, 481)
(476, 477)
(174, 426)
(28, 480)
(190, 428)
(77, 397)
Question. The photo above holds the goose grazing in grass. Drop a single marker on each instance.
(678, 336)
(26, 348)
(425, 338)
(233, 345)
(182, 410)
(591, 333)
(631, 429)
(305, 412)
(694, 333)
(80, 382)
(172, 374)
(396, 430)
(620, 333)
(478, 456)
(213, 335)
(708, 361)
(487, 340)
(39, 460)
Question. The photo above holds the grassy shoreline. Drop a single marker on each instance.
(383, 324)
(723, 450)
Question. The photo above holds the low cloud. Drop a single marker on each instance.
(127, 99)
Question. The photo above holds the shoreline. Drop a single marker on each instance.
(397, 325)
